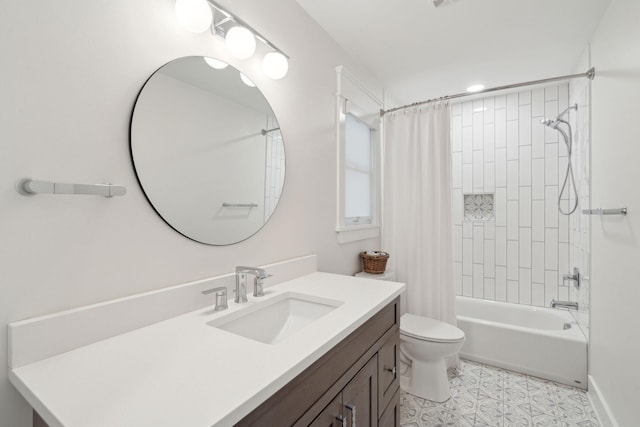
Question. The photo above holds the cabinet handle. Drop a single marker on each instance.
(352, 408)
(343, 419)
(392, 370)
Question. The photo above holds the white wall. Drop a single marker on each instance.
(500, 147)
(71, 71)
(615, 284)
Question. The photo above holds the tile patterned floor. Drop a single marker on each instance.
(484, 395)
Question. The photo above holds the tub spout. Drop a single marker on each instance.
(564, 304)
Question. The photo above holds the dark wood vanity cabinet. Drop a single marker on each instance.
(391, 415)
(358, 379)
(356, 405)
(388, 370)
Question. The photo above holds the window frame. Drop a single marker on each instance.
(365, 108)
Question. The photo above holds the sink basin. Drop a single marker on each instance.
(273, 320)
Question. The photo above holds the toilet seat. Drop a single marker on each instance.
(426, 329)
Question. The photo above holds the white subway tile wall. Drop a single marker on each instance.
(275, 169)
(500, 147)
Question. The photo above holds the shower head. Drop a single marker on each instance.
(551, 123)
(554, 123)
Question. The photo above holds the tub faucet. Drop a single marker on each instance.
(241, 282)
(576, 277)
(564, 304)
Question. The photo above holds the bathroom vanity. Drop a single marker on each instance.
(205, 368)
(356, 382)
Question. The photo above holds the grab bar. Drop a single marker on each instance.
(239, 205)
(29, 187)
(600, 211)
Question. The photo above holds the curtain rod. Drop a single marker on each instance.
(590, 74)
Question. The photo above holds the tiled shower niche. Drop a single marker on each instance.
(499, 147)
(479, 207)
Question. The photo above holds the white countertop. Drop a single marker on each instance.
(183, 372)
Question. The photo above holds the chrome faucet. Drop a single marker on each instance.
(564, 304)
(221, 297)
(576, 277)
(241, 282)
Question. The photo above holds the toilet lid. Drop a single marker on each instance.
(426, 329)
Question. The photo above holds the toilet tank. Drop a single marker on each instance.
(387, 275)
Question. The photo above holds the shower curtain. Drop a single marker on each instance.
(417, 213)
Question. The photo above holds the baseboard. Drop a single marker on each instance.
(600, 405)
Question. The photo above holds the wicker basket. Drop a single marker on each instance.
(374, 264)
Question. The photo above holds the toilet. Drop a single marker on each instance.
(426, 343)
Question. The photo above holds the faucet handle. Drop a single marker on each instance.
(258, 290)
(576, 277)
(221, 297)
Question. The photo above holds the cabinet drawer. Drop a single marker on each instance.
(388, 370)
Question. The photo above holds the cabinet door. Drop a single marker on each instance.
(388, 370)
(360, 398)
(332, 415)
(391, 415)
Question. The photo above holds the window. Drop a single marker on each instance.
(358, 172)
(357, 122)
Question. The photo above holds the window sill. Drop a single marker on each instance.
(357, 232)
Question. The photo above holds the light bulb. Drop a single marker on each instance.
(240, 42)
(214, 63)
(246, 80)
(275, 65)
(195, 16)
(475, 88)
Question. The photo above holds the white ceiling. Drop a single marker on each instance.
(418, 51)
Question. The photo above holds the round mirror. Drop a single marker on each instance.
(207, 150)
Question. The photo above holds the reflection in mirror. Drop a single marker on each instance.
(207, 150)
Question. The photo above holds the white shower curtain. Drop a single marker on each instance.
(417, 213)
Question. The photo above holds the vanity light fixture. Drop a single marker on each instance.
(240, 42)
(214, 63)
(275, 65)
(198, 16)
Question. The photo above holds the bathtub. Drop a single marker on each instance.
(526, 339)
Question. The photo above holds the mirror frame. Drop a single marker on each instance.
(140, 181)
